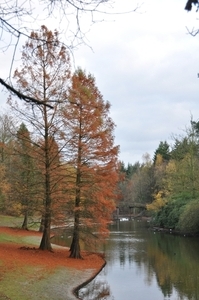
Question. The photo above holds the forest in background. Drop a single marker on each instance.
(168, 184)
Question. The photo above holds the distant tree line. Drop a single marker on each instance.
(168, 184)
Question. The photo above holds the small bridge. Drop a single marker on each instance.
(132, 212)
(137, 205)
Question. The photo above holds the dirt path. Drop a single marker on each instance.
(27, 273)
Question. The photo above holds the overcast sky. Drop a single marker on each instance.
(146, 65)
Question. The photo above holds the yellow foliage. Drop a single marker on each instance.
(159, 201)
(4, 185)
(159, 160)
(171, 167)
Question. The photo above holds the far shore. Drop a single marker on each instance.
(174, 232)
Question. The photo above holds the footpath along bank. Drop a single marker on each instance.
(27, 273)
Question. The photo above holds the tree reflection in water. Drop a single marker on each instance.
(150, 265)
(96, 290)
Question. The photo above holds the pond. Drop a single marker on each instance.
(146, 265)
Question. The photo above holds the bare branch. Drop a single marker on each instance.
(17, 15)
(192, 32)
(189, 3)
(22, 96)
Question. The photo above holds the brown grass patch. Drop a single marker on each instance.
(15, 255)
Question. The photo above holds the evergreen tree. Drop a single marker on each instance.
(163, 150)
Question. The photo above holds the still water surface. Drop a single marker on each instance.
(144, 265)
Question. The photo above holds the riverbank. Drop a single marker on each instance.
(174, 232)
(27, 273)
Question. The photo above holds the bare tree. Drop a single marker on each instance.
(18, 16)
(188, 7)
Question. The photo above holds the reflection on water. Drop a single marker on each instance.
(144, 265)
(98, 289)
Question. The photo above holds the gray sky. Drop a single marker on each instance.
(146, 65)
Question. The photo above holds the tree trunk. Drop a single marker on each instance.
(45, 241)
(25, 221)
(75, 246)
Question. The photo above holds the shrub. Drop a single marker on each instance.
(168, 216)
(189, 220)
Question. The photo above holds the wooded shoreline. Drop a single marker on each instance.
(174, 232)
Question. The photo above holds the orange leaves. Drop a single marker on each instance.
(46, 67)
(74, 150)
(4, 184)
(90, 149)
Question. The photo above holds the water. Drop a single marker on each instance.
(144, 265)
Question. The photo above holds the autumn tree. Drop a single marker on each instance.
(144, 181)
(91, 152)
(182, 171)
(138, 186)
(126, 186)
(161, 159)
(44, 75)
(178, 196)
(4, 188)
(58, 182)
(23, 185)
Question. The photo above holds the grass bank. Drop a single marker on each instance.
(27, 273)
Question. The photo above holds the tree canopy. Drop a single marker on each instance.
(45, 74)
(90, 150)
(67, 153)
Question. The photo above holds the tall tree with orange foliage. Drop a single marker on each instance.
(44, 76)
(91, 152)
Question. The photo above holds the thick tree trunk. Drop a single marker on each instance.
(75, 249)
(45, 241)
(75, 246)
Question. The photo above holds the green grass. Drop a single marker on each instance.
(16, 222)
(10, 221)
(35, 283)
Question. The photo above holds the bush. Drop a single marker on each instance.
(169, 215)
(189, 220)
